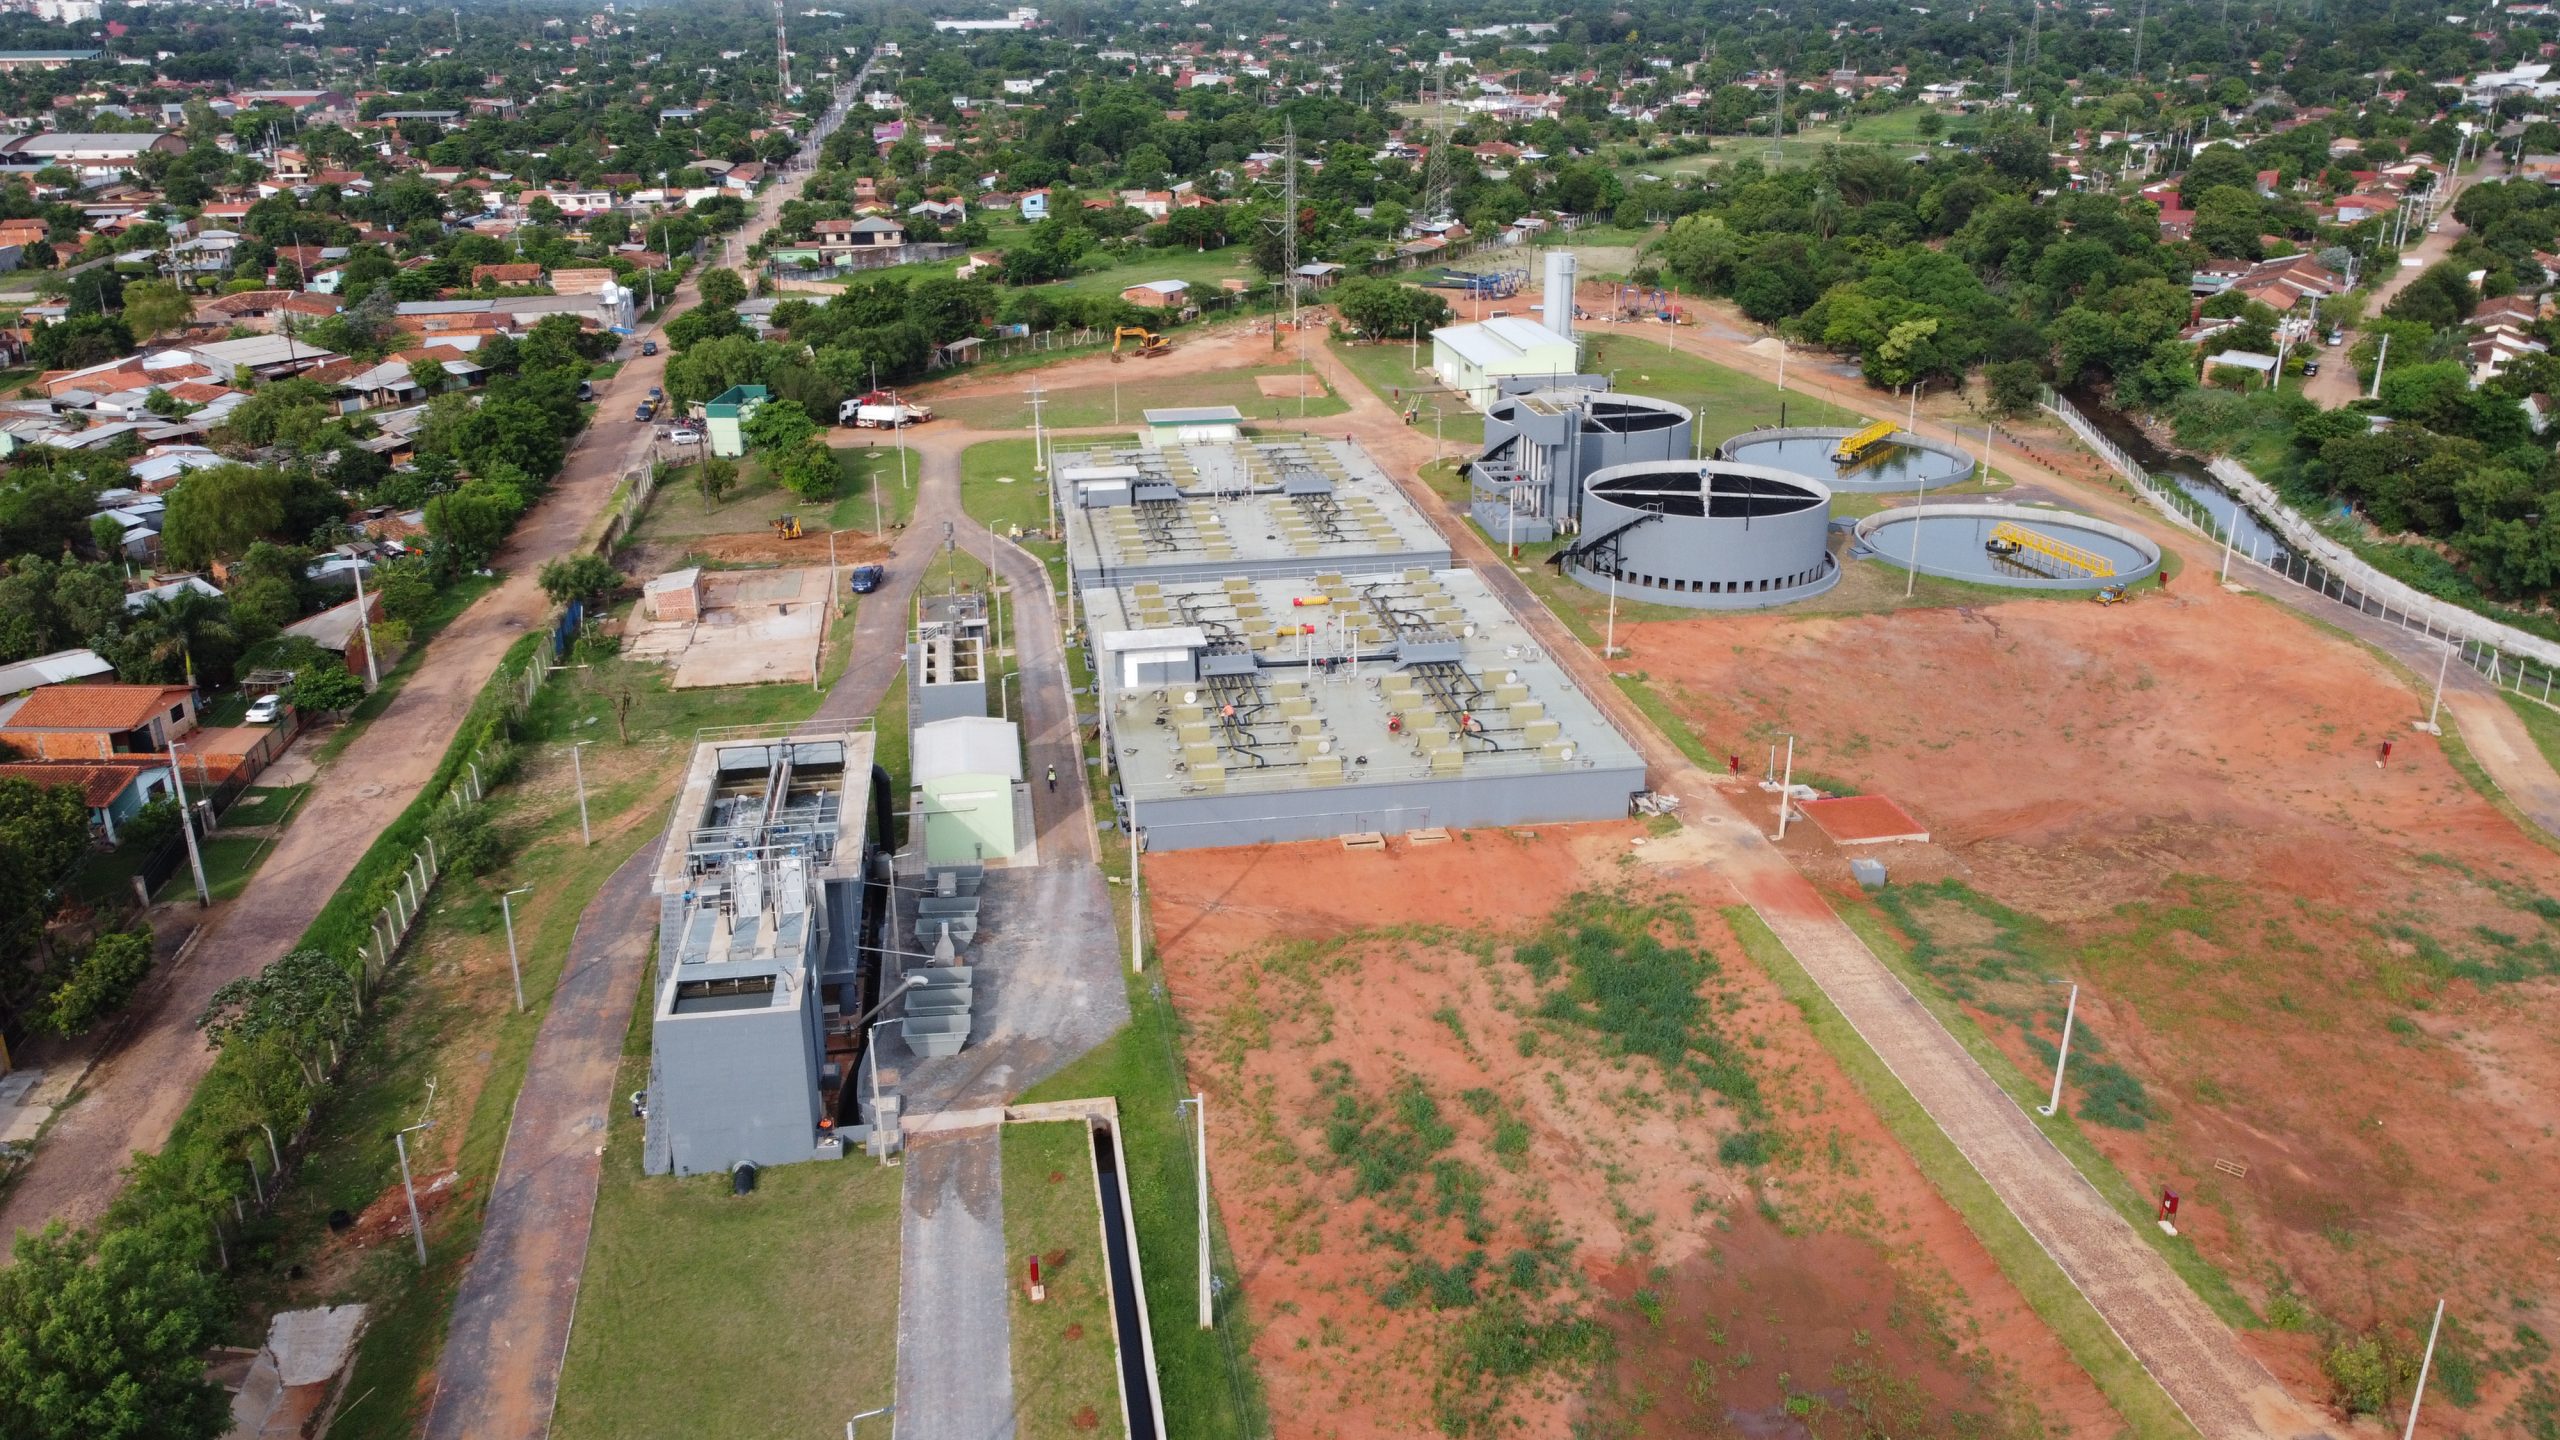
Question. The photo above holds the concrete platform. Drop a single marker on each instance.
(758, 627)
(1862, 820)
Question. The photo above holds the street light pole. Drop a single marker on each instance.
(1137, 909)
(865, 1415)
(187, 826)
(2070, 1012)
(408, 1187)
(506, 910)
(578, 767)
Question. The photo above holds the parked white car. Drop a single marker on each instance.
(266, 710)
(684, 435)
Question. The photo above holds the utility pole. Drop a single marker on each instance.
(372, 673)
(187, 826)
(1199, 1107)
(1137, 907)
(1289, 233)
(2142, 14)
(2410, 1431)
(507, 910)
(577, 766)
(409, 1187)
(1787, 787)
(2379, 356)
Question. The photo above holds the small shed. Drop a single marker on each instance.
(1159, 294)
(966, 769)
(1195, 425)
(727, 415)
(676, 595)
(291, 1386)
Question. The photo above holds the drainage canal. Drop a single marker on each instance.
(1124, 1290)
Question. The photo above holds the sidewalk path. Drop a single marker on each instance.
(499, 1376)
(134, 1096)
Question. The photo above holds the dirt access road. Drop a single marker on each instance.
(134, 1095)
(2336, 384)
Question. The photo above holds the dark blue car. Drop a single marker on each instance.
(867, 578)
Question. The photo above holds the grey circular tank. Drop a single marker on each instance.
(1709, 534)
(1539, 447)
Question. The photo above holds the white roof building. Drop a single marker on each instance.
(1474, 359)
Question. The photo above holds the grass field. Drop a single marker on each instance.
(1395, 376)
(1141, 385)
(999, 490)
(1727, 401)
(1065, 1357)
(1204, 269)
(707, 1313)
(2147, 1410)
(677, 511)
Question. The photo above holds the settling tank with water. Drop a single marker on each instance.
(2013, 545)
(1898, 461)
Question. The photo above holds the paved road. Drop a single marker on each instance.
(499, 1376)
(1049, 989)
(2181, 1342)
(134, 1095)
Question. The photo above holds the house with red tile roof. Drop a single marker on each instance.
(112, 789)
(95, 722)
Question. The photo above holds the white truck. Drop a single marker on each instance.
(881, 410)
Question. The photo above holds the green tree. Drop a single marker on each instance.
(2014, 386)
(100, 982)
(722, 287)
(810, 471)
(325, 687)
(155, 307)
(585, 576)
(429, 375)
(102, 1337)
(713, 479)
(218, 513)
(298, 1002)
(779, 425)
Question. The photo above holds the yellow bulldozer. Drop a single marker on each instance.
(1150, 344)
(786, 527)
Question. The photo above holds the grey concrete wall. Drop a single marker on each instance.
(1193, 822)
(1429, 558)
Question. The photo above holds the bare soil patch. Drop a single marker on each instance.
(1487, 1168)
(2310, 983)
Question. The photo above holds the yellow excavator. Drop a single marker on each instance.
(786, 527)
(1150, 344)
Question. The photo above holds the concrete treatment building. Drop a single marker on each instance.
(762, 918)
(1246, 710)
(1707, 534)
(1211, 512)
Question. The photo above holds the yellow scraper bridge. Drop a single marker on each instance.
(1855, 447)
(2010, 541)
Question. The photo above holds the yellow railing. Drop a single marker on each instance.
(1855, 447)
(2086, 561)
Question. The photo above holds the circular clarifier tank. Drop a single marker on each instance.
(2013, 545)
(1902, 462)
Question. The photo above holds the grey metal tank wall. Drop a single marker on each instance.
(1579, 452)
(1496, 519)
(738, 1085)
(1194, 822)
(1714, 564)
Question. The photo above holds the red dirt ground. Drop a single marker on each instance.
(1308, 971)
(2307, 1010)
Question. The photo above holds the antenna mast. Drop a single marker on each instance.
(1289, 219)
(782, 49)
